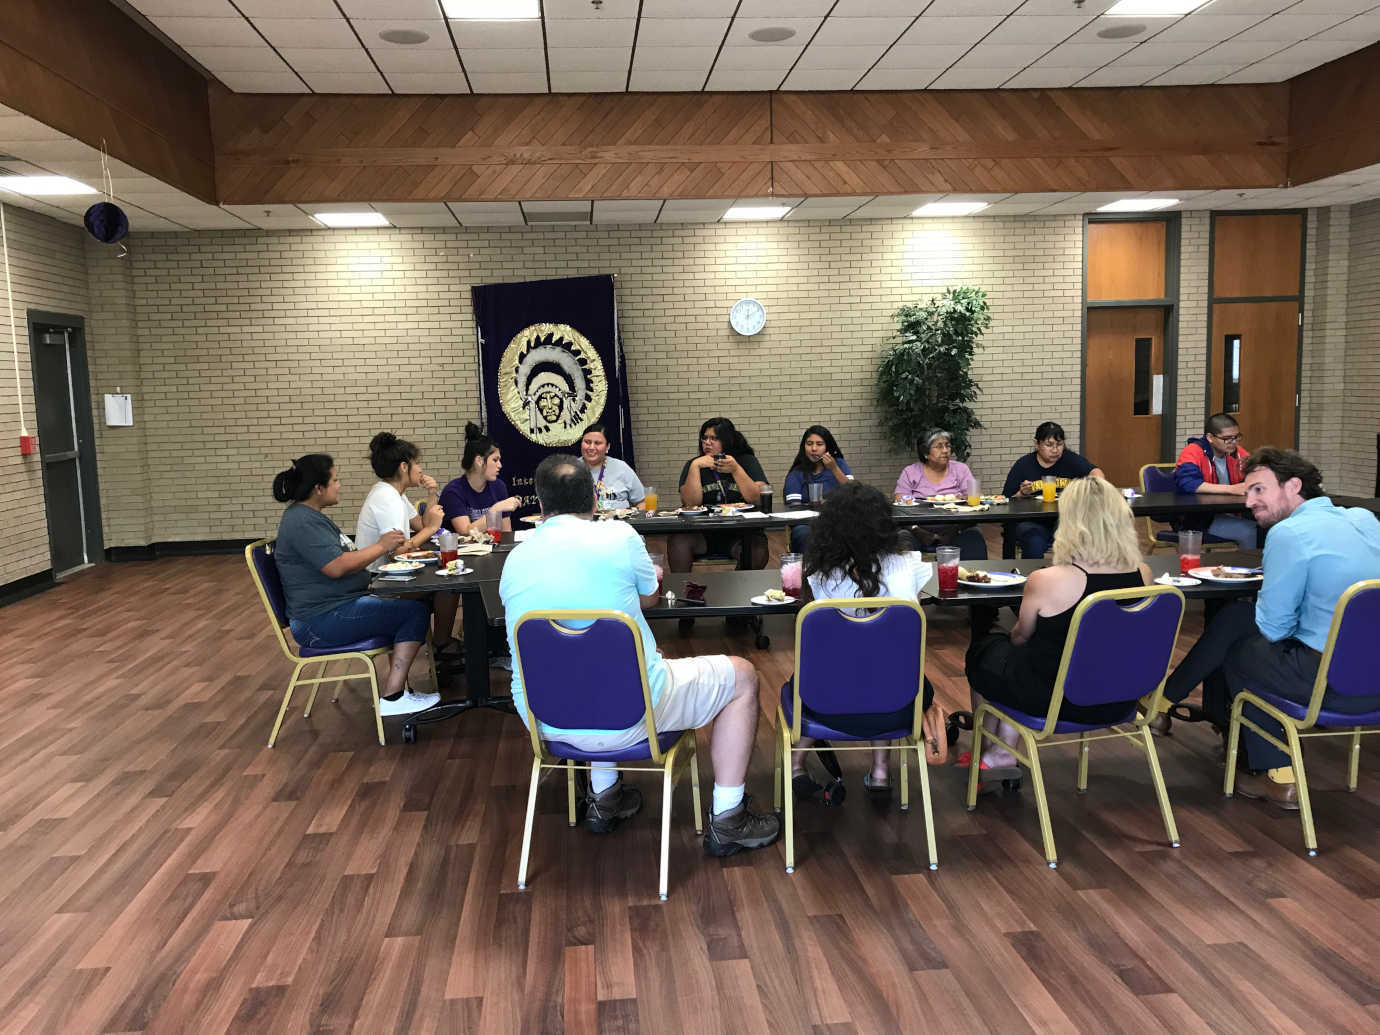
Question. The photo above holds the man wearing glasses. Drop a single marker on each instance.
(1212, 464)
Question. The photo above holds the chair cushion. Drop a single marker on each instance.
(1326, 717)
(1063, 725)
(638, 752)
(373, 643)
(811, 728)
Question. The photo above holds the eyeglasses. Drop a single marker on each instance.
(1229, 438)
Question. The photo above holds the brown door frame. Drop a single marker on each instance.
(1169, 303)
(1213, 300)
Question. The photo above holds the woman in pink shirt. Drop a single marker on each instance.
(936, 473)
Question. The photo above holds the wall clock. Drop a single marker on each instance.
(747, 316)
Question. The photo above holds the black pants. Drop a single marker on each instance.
(1033, 537)
(970, 542)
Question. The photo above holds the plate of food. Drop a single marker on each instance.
(945, 497)
(906, 501)
(772, 598)
(454, 568)
(998, 499)
(963, 508)
(974, 579)
(617, 514)
(422, 556)
(735, 506)
(401, 567)
(692, 511)
(1227, 573)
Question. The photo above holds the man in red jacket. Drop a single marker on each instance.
(1212, 464)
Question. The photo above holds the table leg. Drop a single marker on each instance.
(474, 621)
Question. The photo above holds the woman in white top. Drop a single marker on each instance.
(397, 463)
(855, 551)
(616, 485)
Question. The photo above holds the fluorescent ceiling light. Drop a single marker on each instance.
(44, 186)
(1152, 8)
(757, 211)
(1138, 205)
(950, 208)
(492, 10)
(348, 219)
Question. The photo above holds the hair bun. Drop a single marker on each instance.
(473, 430)
(383, 440)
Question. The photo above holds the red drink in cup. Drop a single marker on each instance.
(1190, 550)
(1189, 561)
(496, 534)
(947, 558)
(791, 573)
(449, 555)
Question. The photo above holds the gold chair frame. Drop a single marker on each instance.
(1155, 544)
(1296, 729)
(1033, 740)
(301, 664)
(671, 764)
(788, 734)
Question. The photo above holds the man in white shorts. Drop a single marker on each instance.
(571, 561)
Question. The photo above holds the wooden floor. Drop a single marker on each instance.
(161, 870)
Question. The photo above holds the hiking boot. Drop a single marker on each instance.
(738, 828)
(605, 810)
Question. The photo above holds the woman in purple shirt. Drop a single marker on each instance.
(478, 498)
(936, 473)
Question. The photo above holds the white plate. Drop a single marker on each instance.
(416, 556)
(460, 571)
(1000, 580)
(1206, 573)
(906, 505)
(1182, 580)
(693, 511)
(762, 601)
(400, 567)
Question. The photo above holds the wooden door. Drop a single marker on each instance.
(1123, 385)
(1255, 352)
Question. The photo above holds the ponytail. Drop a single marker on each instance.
(477, 445)
(305, 474)
(387, 451)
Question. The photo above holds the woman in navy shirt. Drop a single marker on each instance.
(478, 498)
(819, 461)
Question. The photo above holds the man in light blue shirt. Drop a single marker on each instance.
(573, 562)
(1313, 552)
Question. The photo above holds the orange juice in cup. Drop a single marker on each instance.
(1047, 488)
(650, 499)
(974, 494)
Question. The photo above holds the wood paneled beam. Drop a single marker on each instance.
(1334, 117)
(83, 67)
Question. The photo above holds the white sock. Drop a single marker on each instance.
(602, 776)
(726, 798)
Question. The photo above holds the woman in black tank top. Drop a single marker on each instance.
(1095, 548)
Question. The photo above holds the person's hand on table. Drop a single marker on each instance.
(392, 541)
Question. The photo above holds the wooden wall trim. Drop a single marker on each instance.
(1334, 117)
(85, 68)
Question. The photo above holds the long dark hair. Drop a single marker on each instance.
(731, 440)
(801, 461)
(851, 536)
(306, 473)
(477, 444)
(387, 451)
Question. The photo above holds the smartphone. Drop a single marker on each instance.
(397, 578)
(720, 456)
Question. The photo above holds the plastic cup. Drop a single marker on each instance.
(1190, 550)
(1047, 488)
(448, 544)
(791, 573)
(947, 558)
(974, 493)
(816, 493)
(496, 534)
(650, 499)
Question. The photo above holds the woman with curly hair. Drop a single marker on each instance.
(856, 551)
(1095, 548)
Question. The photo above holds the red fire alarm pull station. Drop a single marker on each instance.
(28, 444)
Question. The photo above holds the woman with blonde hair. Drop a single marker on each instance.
(1095, 548)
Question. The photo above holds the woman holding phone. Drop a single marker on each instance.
(725, 471)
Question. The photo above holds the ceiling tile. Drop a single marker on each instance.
(589, 59)
(1259, 8)
(1266, 72)
(855, 59)
(1234, 53)
(674, 59)
(487, 213)
(427, 82)
(1000, 55)
(435, 28)
(346, 82)
(1192, 75)
(783, 8)
(1020, 29)
(973, 78)
(1088, 202)
(1150, 28)
(209, 32)
(846, 32)
(1206, 28)
(417, 213)
(962, 8)
(40, 151)
(744, 79)
(1289, 28)
(610, 80)
(681, 32)
(390, 8)
(1061, 8)
(510, 62)
(274, 217)
(757, 59)
(760, 202)
(827, 208)
(307, 32)
(822, 78)
(1045, 78)
(626, 211)
(262, 82)
(507, 82)
(1365, 27)
(22, 127)
(877, 8)
(262, 58)
(738, 34)
(1117, 75)
(1156, 54)
(694, 210)
(498, 35)
(1346, 7)
(306, 61)
(935, 56)
(900, 78)
(688, 8)
(891, 206)
(583, 10)
(1317, 52)
(417, 61)
(675, 80)
(608, 32)
(929, 31)
(189, 8)
(288, 9)
(1079, 55)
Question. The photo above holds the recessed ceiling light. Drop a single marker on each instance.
(45, 186)
(340, 220)
(404, 37)
(1153, 8)
(492, 10)
(1121, 32)
(771, 34)
(757, 211)
(1138, 205)
(950, 208)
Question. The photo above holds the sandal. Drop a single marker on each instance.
(880, 787)
(805, 788)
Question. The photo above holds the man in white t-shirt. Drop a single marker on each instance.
(571, 561)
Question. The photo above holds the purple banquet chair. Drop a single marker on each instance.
(845, 664)
(1160, 478)
(1113, 653)
(1348, 669)
(594, 677)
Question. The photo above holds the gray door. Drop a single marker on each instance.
(66, 439)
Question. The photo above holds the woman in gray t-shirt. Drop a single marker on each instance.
(616, 485)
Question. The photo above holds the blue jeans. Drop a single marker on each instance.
(800, 538)
(1033, 537)
(1229, 526)
(364, 618)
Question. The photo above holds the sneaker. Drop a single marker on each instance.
(605, 810)
(738, 828)
(409, 702)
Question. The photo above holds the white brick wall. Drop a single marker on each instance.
(1324, 340)
(1360, 387)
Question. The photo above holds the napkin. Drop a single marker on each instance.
(475, 549)
(791, 515)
